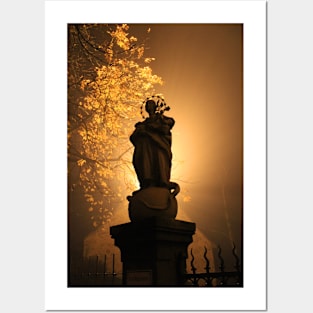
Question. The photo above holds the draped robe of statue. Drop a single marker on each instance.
(152, 160)
(152, 157)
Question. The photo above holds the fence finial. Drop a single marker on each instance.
(207, 261)
(191, 262)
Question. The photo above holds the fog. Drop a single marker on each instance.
(202, 67)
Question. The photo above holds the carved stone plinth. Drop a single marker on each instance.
(153, 251)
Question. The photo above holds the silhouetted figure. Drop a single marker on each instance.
(153, 156)
(152, 161)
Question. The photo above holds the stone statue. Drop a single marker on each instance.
(152, 161)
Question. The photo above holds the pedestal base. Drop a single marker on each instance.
(153, 251)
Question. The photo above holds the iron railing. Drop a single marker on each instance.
(221, 278)
(95, 272)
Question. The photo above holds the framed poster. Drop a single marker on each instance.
(208, 60)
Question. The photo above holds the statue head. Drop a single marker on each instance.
(150, 107)
(154, 104)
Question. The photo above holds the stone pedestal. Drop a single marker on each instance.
(153, 251)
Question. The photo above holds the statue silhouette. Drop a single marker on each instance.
(152, 157)
(152, 160)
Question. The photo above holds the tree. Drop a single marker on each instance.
(108, 79)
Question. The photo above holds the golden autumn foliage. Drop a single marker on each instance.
(108, 78)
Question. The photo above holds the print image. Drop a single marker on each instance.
(155, 155)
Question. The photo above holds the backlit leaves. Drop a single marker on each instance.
(108, 77)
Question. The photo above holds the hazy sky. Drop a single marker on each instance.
(202, 67)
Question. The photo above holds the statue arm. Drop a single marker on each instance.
(158, 130)
(161, 124)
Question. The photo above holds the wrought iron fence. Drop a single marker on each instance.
(221, 278)
(95, 272)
